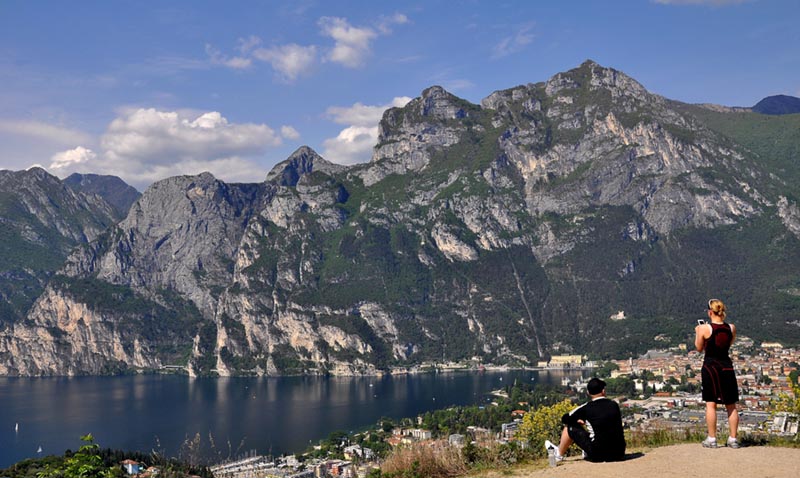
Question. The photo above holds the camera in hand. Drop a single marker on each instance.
(701, 321)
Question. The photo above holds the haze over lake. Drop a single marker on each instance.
(270, 415)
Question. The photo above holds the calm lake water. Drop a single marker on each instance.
(269, 415)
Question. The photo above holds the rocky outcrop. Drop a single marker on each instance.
(303, 161)
(408, 136)
(790, 215)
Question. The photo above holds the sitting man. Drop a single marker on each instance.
(595, 426)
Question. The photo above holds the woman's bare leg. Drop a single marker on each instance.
(733, 419)
(711, 419)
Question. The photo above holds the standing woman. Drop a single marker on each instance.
(719, 380)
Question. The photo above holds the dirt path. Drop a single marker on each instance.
(678, 461)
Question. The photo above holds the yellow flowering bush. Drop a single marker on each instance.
(544, 424)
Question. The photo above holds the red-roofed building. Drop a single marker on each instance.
(131, 467)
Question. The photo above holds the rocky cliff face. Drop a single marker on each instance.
(499, 232)
(41, 221)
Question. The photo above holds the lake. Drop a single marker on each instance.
(270, 415)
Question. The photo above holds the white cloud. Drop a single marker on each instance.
(145, 145)
(354, 143)
(351, 48)
(246, 45)
(72, 157)
(514, 43)
(236, 62)
(289, 132)
(385, 23)
(230, 169)
(289, 61)
(44, 131)
(351, 44)
(149, 135)
(363, 115)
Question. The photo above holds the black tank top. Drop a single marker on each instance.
(720, 341)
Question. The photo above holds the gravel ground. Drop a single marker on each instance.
(679, 461)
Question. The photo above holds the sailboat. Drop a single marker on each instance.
(40, 449)
(16, 427)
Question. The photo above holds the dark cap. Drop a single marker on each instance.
(595, 386)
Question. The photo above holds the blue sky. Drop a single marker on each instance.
(145, 90)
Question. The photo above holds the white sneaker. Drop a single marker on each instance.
(548, 445)
(709, 443)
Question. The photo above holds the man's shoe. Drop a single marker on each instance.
(709, 443)
(549, 446)
(733, 443)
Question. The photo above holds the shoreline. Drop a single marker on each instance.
(394, 371)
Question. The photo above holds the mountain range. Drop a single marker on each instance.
(582, 214)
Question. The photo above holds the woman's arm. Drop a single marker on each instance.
(701, 334)
(733, 333)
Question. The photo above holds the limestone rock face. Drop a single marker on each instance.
(64, 337)
(790, 215)
(503, 232)
(180, 235)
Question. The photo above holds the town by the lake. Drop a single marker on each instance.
(666, 395)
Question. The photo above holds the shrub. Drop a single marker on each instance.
(544, 424)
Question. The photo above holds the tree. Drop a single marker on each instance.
(605, 369)
(621, 385)
(85, 463)
(387, 424)
(793, 378)
(788, 402)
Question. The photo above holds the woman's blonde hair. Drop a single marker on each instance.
(716, 306)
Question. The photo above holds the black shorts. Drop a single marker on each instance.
(593, 452)
(719, 382)
(581, 438)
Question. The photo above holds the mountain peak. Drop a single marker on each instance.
(38, 172)
(303, 161)
(589, 63)
(434, 91)
(778, 105)
(111, 188)
(593, 76)
(436, 102)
